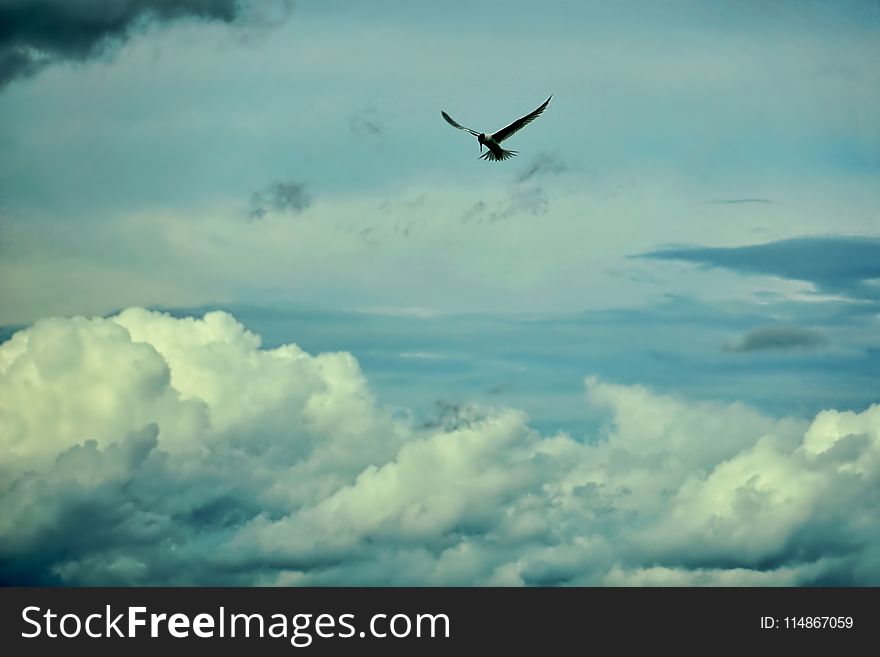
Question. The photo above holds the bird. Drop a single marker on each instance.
(493, 142)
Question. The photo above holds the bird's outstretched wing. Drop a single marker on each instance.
(451, 122)
(504, 133)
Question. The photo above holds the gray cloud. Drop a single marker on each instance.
(406, 206)
(474, 211)
(843, 265)
(35, 33)
(532, 200)
(133, 501)
(778, 338)
(289, 196)
(499, 389)
(521, 200)
(543, 164)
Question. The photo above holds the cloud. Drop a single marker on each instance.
(176, 439)
(543, 164)
(367, 125)
(844, 265)
(531, 200)
(35, 33)
(474, 211)
(778, 338)
(290, 197)
(162, 426)
(519, 200)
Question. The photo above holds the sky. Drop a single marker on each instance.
(267, 319)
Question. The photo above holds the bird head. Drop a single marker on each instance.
(482, 139)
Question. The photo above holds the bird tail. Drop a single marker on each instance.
(497, 157)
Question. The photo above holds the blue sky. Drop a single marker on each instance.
(149, 156)
(693, 221)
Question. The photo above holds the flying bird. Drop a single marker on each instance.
(493, 142)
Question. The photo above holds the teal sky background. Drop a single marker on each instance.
(145, 175)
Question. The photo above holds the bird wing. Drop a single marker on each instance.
(504, 133)
(452, 122)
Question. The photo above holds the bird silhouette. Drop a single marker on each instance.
(493, 142)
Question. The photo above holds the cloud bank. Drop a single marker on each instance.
(197, 457)
(35, 33)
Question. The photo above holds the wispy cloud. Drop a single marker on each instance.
(544, 164)
(778, 338)
(499, 389)
(531, 200)
(844, 265)
(367, 125)
(474, 212)
(36, 33)
(289, 196)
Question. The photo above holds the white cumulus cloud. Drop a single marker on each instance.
(192, 455)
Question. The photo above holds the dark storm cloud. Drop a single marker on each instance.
(17, 63)
(778, 338)
(543, 164)
(844, 265)
(289, 196)
(34, 33)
